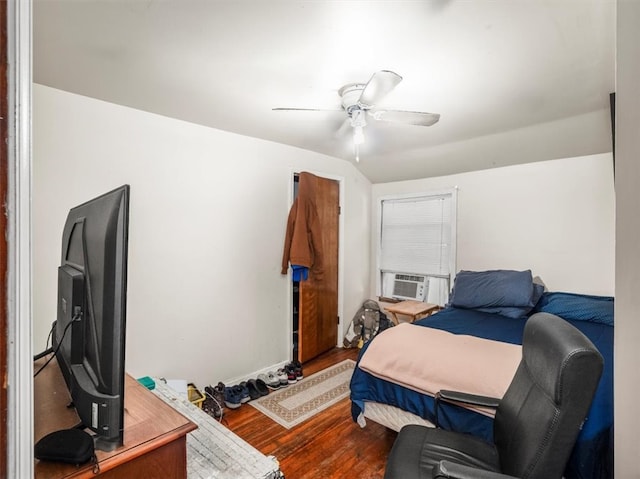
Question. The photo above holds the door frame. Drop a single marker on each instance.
(340, 325)
(19, 378)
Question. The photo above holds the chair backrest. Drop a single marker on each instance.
(540, 415)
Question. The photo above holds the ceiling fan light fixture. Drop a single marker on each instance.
(358, 135)
(358, 122)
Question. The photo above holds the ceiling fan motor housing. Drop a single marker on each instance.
(350, 94)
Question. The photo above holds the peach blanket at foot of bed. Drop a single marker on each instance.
(427, 360)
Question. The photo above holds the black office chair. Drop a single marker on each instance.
(536, 423)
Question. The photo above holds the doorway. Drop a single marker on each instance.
(315, 315)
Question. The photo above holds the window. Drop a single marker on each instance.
(418, 238)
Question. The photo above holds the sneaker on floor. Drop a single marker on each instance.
(283, 377)
(244, 392)
(292, 378)
(218, 393)
(273, 381)
(213, 403)
(218, 398)
(232, 396)
(269, 381)
(297, 366)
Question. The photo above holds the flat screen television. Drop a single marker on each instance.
(89, 331)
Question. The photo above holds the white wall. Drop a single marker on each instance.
(627, 331)
(579, 135)
(553, 217)
(206, 301)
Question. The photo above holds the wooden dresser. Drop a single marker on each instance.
(154, 432)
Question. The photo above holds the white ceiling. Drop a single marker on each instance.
(487, 66)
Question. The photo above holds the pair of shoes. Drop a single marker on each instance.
(214, 400)
(271, 380)
(294, 372)
(257, 388)
(235, 396)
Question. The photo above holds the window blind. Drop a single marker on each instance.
(416, 235)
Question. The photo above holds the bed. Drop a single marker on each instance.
(394, 403)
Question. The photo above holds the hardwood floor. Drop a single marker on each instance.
(329, 445)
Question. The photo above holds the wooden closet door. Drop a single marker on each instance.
(318, 303)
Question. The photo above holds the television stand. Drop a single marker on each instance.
(154, 432)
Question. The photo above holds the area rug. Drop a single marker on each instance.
(298, 402)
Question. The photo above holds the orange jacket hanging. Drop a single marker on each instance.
(303, 245)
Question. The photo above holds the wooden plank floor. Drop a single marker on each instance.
(329, 445)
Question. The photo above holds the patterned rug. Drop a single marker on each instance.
(298, 402)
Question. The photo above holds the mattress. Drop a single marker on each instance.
(389, 416)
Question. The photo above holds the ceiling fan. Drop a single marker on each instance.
(359, 102)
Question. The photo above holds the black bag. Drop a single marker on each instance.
(73, 446)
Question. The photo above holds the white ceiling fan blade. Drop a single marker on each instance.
(344, 128)
(379, 85)
(408, 117)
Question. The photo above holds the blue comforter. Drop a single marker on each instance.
(593, 454)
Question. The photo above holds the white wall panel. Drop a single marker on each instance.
(554, 217)
(206, 301)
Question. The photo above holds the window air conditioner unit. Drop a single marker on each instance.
(409, 286)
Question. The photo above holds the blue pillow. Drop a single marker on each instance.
(515, 311)
(488, 289)
(597, 309)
